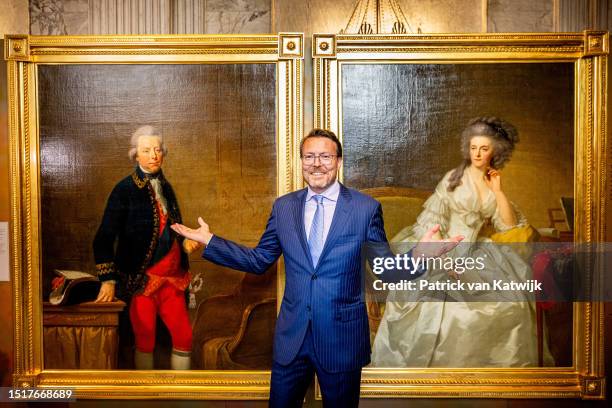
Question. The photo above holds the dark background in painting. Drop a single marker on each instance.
(219, 125)
(401, 125)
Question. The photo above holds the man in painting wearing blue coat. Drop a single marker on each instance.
(322, 326)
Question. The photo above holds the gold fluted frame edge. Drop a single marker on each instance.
(24, 53)
(588, 51)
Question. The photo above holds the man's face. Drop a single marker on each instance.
(318, 175)
(149, 154)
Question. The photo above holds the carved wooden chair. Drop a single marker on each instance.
(235, 330)
(250, 347)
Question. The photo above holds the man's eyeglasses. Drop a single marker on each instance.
(323, 158)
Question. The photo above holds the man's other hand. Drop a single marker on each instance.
(433, 246)
(201, 235)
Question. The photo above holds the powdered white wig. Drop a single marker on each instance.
(145, 131)
(503, 135)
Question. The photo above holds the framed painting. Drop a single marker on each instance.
(400, 104)
(229, 110)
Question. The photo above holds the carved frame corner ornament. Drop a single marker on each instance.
(594, 387)
(26, 54)
(25, 381)
(290, 45)
(596, 43)
(323, 45)
(17, 48)
(588, 53)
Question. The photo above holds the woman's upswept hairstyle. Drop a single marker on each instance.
(503, 136)
(145, 131)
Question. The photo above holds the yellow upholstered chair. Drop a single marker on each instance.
(401, 206)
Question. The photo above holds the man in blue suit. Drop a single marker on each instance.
(322, 326)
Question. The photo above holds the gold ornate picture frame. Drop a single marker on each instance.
(588, 55)
(25, 54)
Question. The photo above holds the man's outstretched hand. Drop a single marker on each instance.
(433, 246)
(201, 235)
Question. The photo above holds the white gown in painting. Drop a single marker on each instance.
(461, 334)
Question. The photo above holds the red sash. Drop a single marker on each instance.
(168, 269)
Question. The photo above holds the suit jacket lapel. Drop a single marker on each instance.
(340, 218)
(298, 218)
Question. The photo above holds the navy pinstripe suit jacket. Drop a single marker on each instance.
(330, 295)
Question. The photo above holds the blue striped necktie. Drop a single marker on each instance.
(315, 239)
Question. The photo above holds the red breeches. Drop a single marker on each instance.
(169, 302)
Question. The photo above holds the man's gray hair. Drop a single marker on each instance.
(145, 131)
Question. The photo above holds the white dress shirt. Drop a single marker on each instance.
(330, 198)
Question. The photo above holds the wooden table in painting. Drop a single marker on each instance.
(81, 336)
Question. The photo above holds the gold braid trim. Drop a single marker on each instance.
(155, 236)
(105, 268)
(140, 183)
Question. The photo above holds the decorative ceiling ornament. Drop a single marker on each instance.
(377, 17)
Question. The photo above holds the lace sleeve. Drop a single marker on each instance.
(435, 211)
(499, 224)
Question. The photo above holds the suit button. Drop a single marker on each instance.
(308, 308)
(314, 277)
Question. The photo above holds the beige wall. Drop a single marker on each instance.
(14, 17)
